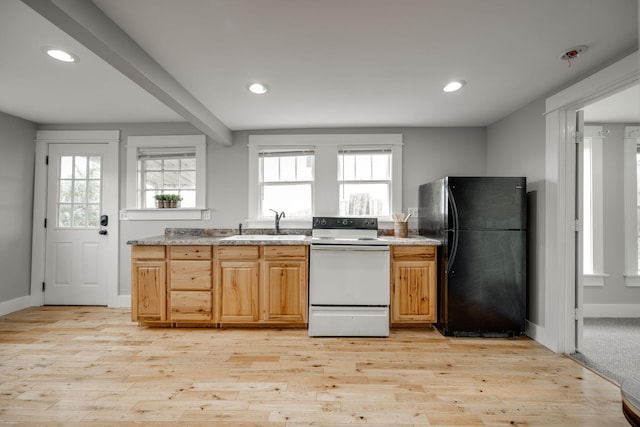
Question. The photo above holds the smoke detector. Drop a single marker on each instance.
(573, 53)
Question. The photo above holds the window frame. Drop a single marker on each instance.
(133, 210)
(325, 180)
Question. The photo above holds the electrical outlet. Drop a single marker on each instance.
(413, 211)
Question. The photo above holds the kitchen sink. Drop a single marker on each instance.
(266, 237)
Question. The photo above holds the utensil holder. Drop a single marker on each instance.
(400, 229)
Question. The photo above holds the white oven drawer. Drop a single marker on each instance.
(348, 321)
(349, 276)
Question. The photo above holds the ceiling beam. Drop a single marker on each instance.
(86, 23)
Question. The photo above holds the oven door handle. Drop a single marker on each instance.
(352, 248)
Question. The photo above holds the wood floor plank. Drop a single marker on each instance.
(92, 366)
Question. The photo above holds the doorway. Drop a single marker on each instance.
(75, 243)
(611, 323)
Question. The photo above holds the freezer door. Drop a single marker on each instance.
(432, 209)
(483, 286)
(486, 203)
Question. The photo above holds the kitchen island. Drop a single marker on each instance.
(208, 277)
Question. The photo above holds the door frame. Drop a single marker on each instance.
(558, 330)
(111, 192)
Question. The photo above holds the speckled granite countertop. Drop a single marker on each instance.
(216, 237)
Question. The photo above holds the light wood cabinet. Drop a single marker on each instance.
(413, 285)
(209, 285)
(238, 280)
(191, 284)
(262, 284)
(148, 284)
(285, 284)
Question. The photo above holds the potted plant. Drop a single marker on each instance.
(160, 199)
(174, 200)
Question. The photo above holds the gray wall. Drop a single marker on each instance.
(614, 290)
(516, 147)
(17, 154)
(428, 154)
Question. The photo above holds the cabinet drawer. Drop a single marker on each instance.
(238, 252)
(284, 251)
(190, 306)
(190, 274)
(414, 252)
(147, 252)
(190, 252)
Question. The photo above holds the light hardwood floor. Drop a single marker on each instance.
(89, 366)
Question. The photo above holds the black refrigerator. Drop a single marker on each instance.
(481, 223)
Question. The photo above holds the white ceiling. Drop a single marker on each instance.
(329, 63)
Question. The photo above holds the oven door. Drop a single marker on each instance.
(349, 275)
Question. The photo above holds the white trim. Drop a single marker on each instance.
(612, 310)
(325, 185)
(134, 142)
(78, 136)
(632, 281)
(630, 186)
(535, 332)
(165, 214)
(614, 78)
(112, 192)
(122, 301)
(594, 280)
(559, 287)
(11, 306)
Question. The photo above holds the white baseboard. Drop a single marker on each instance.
(611, 310)
(8, 307)
(121, 301)
(535, 332)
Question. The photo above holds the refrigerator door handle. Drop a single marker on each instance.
(454, 208)
(454, 251)
(454, 245)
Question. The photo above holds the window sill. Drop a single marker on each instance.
(168, 214)
(593, 280)
(632, 280)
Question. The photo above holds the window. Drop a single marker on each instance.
(592, 202)
(364, 179)
(286, 181)
(167, 164)
(166, 171)
(324, 175)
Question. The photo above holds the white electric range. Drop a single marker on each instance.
(348, 278)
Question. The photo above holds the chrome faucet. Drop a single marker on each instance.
(278, 217)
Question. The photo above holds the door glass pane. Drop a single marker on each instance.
(79, 191)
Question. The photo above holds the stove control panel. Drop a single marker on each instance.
(344, 223)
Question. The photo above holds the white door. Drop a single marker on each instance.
(77, 233)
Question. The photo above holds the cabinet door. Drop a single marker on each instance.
(190, 306)
(149, 291)
(238, 286)
(414, 292)
(286, 291)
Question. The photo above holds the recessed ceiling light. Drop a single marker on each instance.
(258, 88)
(61, 55)
(454, 86)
